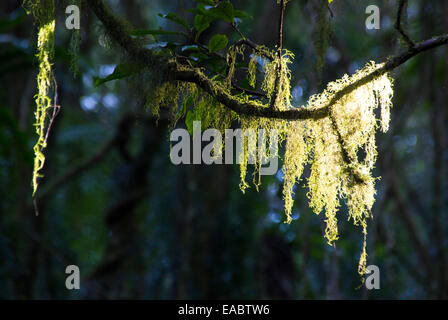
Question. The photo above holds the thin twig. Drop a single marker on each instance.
(280, 25)
(237, 30)
(401, 6)
(56, 109)
(256, 47)
(278, 66)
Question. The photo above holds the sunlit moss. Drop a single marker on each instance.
(325, 179)
(168, 95)
(252, 71)
(279, 68)
(316, 142)
(296, 156)
(256, 153)
(232, 56)
(325, 143)
(363, 258)
(331, 177)
(43, 12)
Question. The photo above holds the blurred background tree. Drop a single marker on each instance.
(139, 227)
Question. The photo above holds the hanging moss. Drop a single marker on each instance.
(279, 67)
(331, 178)
(252, 70)
(43, 12)
(324, 144)
(317, 142)
(296, 157)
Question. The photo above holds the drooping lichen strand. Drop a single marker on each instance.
(231, 58)
(324, 182)
(296, 156)
(363, 258)
(252, 70)
(43, 102)
(43, 11)
(168, 95)
(331, 177)
(282, 92)
(324, 143)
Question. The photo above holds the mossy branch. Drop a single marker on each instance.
(401, 6)
(169, 68)
(345, 110)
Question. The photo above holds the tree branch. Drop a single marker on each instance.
(280, 25)
(170, 68)
(278, 67)
(249, 91)
(401, 6)
(256, 47)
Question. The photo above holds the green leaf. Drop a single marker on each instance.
(241, 14)
(201, 23)
(223, 11)
(217, 42)
(121, 71)
(190, 48)
(176, 19)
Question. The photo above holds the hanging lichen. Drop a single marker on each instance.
(340, 148)
(279, 68)
(252, 70)
(348, 133)
(332, 178)
(43, 12)
(296, 157)
(350, 128)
